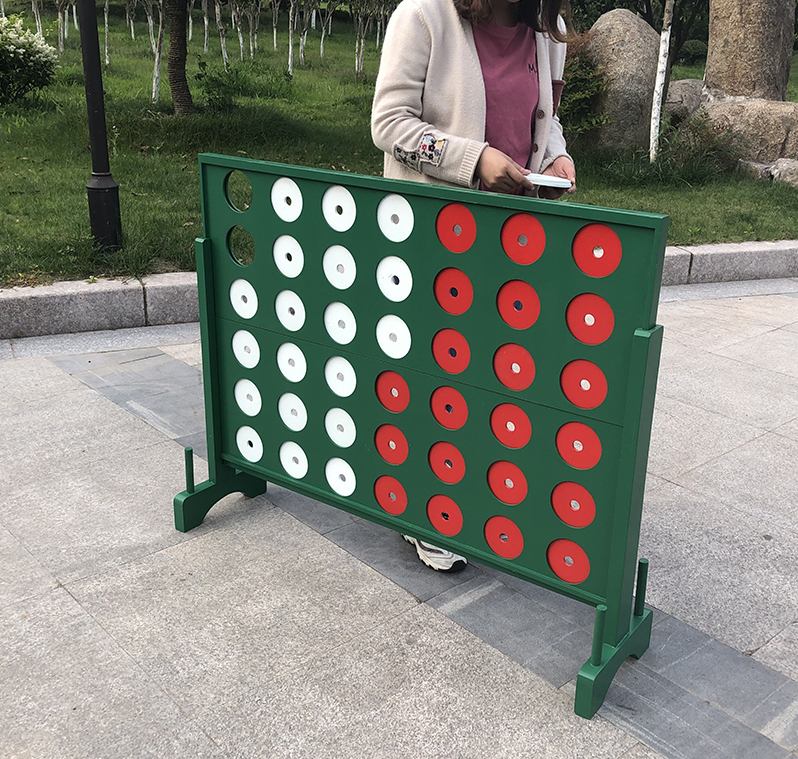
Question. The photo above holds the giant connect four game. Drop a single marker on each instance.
(476, 370)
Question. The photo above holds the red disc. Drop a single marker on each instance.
(391, 444)
(453, 291)
(568, 561)
(507, 482)
(523, 238)
(449, 408)
(392, 391)
(510, 425)
(579, 445)
(390, 494)
(504, 537)
(451, 351)
(573, 504)
(456, 227)
(518, 304)
(444, 515)
(597, 250)
(584, 384)
(447, 463)
(590, 318)
(514, 366)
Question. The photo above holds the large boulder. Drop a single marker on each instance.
(684, 99)
(626, 47)
(768, 129)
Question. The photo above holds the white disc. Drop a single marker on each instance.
(338, 207)
(393, 336)
(249, 444)
(394, 278)
(340, 376)
(395, 217)
(244, 299)
(339, 267)
(293, 459)
(340, 476)
(246, 349)
(340, 427)
(286, 199)
(339, 321)
(288, 256)
(291, 362)
(292, 411)
(290, 310)
(248, 397)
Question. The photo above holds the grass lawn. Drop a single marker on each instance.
(320, 118)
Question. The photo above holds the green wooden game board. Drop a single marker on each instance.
(476, 370)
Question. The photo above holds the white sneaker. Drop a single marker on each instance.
(438, 559)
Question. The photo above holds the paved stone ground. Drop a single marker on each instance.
(284, 628)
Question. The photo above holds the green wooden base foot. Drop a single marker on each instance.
(191, 507)
(593, 680)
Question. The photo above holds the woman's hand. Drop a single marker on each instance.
(500, 173)
(564, 168)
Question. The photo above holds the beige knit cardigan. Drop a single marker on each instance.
(429, 104)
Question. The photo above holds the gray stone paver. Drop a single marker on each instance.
(283, 627)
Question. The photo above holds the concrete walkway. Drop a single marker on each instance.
(285, 628)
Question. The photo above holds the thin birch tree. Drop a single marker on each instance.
(106, 11)
(292, 9)
(38, 16)
(61, 7)
(236, 11)
(222, 33)
(150, 23)
(189, 11)
(659, 82)
(206, 24)
(156, 71)
(253, 22)
(130, 13)
(308, 11)
(326, 22)
(275, 6)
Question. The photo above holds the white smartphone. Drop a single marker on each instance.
(545, 180)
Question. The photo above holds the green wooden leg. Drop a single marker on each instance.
(595, 676)
(194, 503)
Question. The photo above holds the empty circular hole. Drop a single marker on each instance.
(341, 324)
(291, 362)
(288, 200)
(292, 311)
(289, 257)
(392, 337)
(569, 561)
(394, 218)
(578, 445)
(340, 268)
(518, 306)
(522, 240)
(295, 460)
(339, 210)
(392, 445)
(510, 427)
(598, 251)
(241, 246)
(394, 392)
(575, 505)
(503, 537)
(448, 463)
(339, 427)
(584, 384)
(239, 190)
(249, 397)
(340, 376)
(445, 515)
(294, 412)
(449, 408)
(392, 495)
(590, 320)
(508, 483)
(457, 229)
(452, 352)
(244, 299)
(395, 279)
(247, 349)
(516, 368)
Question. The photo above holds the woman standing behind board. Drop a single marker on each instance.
(467, 95)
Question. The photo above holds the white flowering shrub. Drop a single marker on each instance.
(27, 62)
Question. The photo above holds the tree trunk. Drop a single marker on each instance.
(66, 22)
(38, 17)
(156, 71)
(107, 49)
(275, 11)
(659, 82)
(2, 9)
(235, 13)
(150, 25)
(205, 22)
(222, 33)
(75, 15)
(291, 19)
(176, 12)
(190, 21)
(750, 47)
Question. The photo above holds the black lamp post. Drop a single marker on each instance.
(103, 191)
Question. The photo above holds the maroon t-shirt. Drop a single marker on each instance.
(509, 69)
